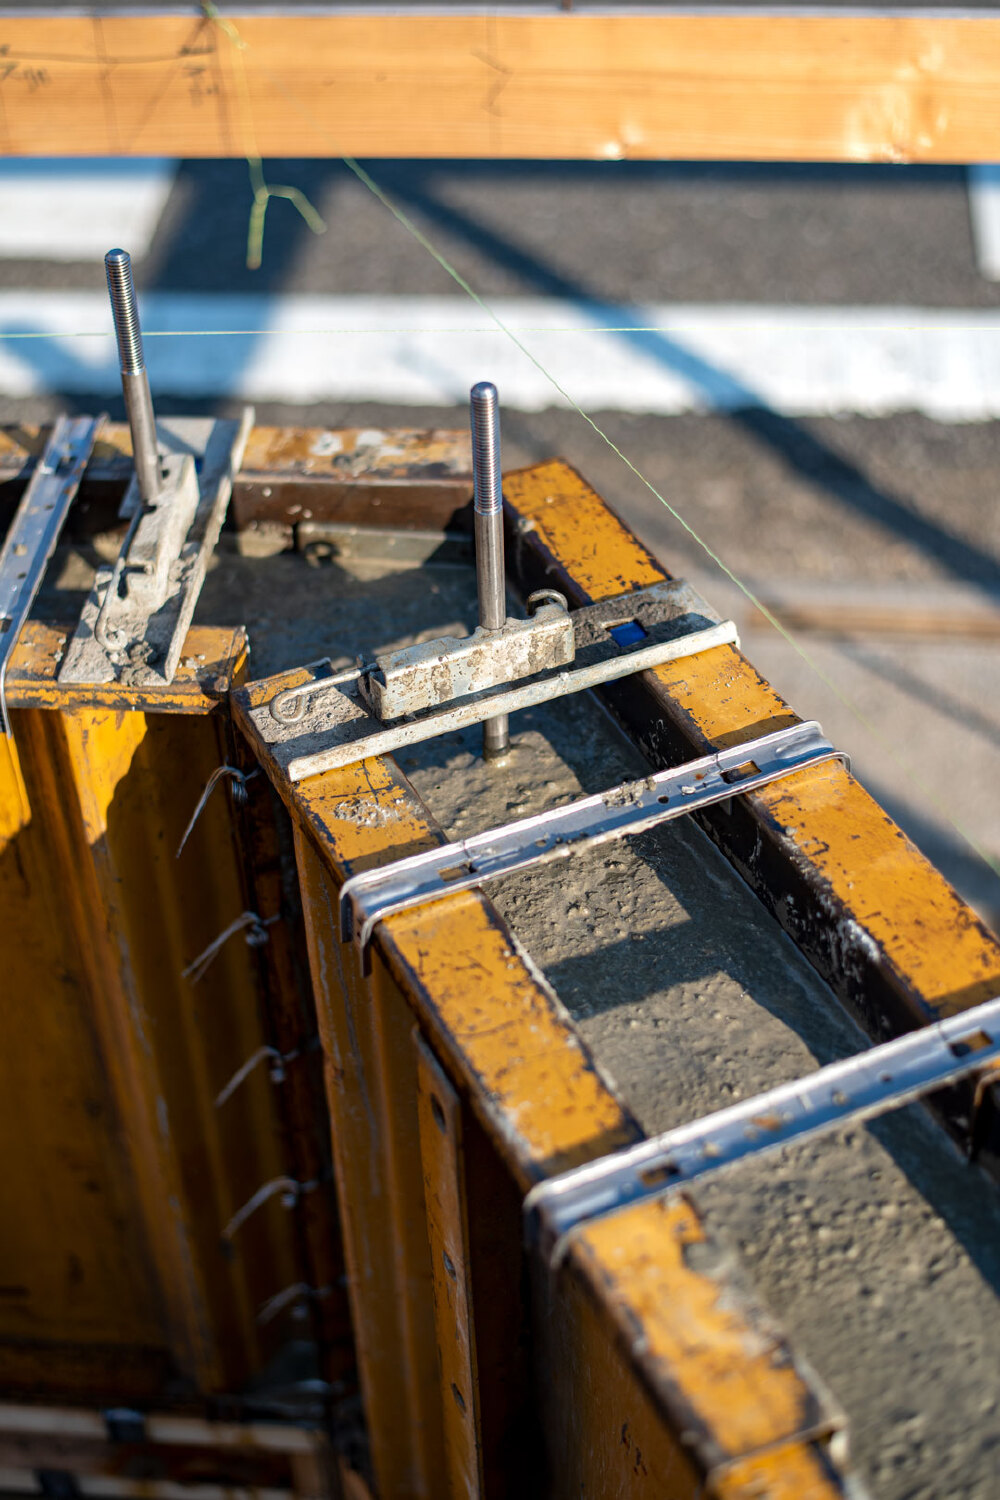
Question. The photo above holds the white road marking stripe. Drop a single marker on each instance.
(60, 209)
(984, 211)
(429, 350)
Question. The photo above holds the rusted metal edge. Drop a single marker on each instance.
(882, 926)
(212, 660)
(676, 1299)
(363, 476)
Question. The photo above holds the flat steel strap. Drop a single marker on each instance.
(629, 808)
(35, 530)
(858, 1088)
(657, 624)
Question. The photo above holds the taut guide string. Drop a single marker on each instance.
(262, 192)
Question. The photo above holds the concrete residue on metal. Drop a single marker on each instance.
(365, 812)
(134, 622)
(878, 1249)
(419, 677)
(403, 453)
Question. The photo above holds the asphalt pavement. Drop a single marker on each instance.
(896, 512)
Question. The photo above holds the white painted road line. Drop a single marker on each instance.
(61, 209)
(984, 211)
(429, 350)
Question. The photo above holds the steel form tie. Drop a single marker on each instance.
(484, 415)
(135, 381)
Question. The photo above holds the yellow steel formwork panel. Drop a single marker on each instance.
(126, 1175)
(529, 1084)
(479, 982)
(371, 1088)
(439, 1111)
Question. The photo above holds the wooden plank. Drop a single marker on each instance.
(828, 87)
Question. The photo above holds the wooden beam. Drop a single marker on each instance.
(831, 87)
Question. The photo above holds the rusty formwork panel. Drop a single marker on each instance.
(406, 477)
(532, 1102)
(662, 1370)
(650, 1371)
(128, 1274)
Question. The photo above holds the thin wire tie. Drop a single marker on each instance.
(277, 1070)
(291, 1191)
(256, 936)
(300, 1292)
(240, 779)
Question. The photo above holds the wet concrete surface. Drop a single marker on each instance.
(878, 1248)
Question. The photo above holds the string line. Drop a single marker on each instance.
(498, 328)
(262, 190)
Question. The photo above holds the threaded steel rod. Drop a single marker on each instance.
(484, 413)
(135, 382)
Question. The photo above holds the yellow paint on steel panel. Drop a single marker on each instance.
(577, 527)
(72, 1248)
(895, 894)
(663, 1369)
(495, 1019)
(503, 84)
(370, 1079)
(15, 812)
(213, 659)
(656, 1270)
(443, 1159)
(724, 694)
(795, 1471)
(605, 1428)
(937, 947)
(124, 1283)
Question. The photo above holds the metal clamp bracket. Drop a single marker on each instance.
(133, 625)
(628, 808)
(858, 1088)
(35, 530)
(328, 721)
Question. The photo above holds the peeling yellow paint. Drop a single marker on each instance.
(654, 1265)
